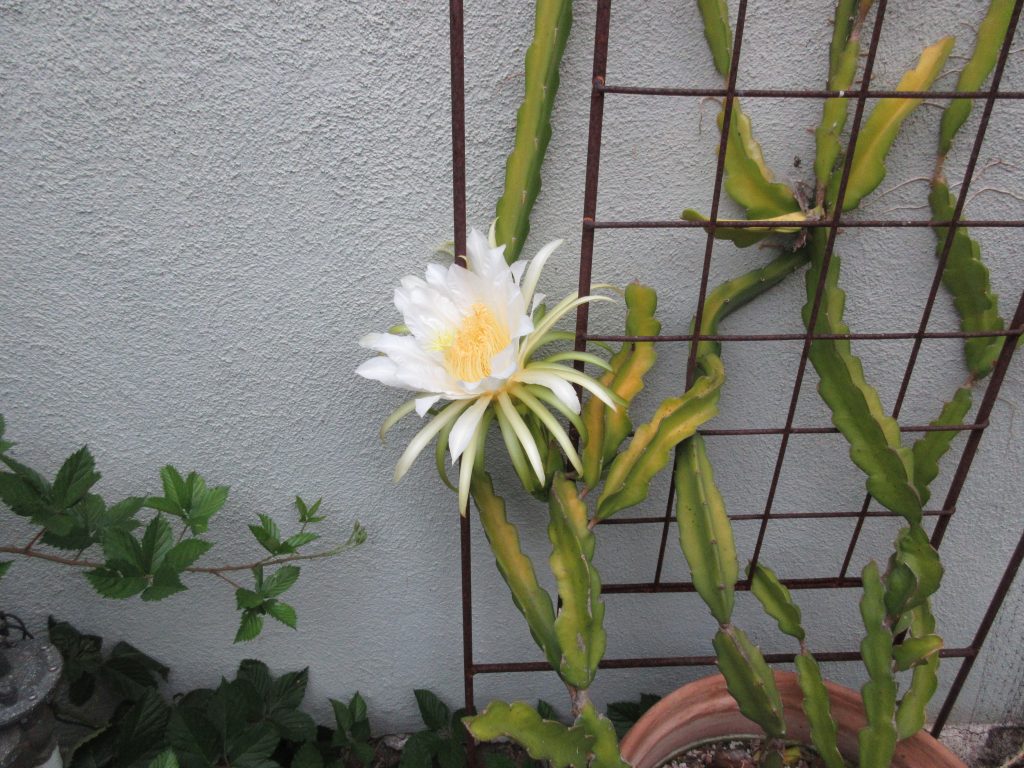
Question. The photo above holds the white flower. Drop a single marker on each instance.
(471, 340)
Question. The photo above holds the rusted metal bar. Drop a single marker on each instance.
(819, 291)
(783, 93)
(811, 224)
(802, 336)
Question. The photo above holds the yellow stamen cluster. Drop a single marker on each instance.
(479, 338)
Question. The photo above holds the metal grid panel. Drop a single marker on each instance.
(601, 89)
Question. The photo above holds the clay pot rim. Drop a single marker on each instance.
(704, 710)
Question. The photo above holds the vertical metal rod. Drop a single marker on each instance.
(709, 246)
(601, 25)
(947, 246)
(979, 638)
(455, 32)
(819, 291)
(458, 129)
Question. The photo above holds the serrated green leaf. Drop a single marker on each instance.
(250, 626)
(156, 543)
(283, 612)
(419, 750)
(165, 759)
(174, 488)
(307, 756)
(185, 553)
(22, 498)
(553, 18)
(280, 581)
(246, 598)
(294, 725)
(123, 552)
(130, 673)
(165, 583)
(292, 543)
(434, 712)
(110, 583)
(5, 566)
(74, 479)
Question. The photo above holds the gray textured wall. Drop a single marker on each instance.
(205, 205)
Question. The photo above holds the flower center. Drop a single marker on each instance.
(479, 338)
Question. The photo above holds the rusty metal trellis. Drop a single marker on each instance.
(590, 225)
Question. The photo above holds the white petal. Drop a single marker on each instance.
(465, 427)
(425, 435)
(517, 268)
(485, 261)
(380, 369)
(562, 389)
(503, 364)
(536, 265)
(538, 299)
(423, 403)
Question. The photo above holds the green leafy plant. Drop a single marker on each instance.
(442, 744)
(123, 554)
(253, 720)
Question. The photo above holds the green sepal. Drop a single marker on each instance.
(818, 709)
(776, 600)
(516, 568)
(533, 125)
(750, 680)
(879, 130)
(967, 278)
(877, 740)
(559, 744)
(578, 625)
(705, 533)
(931, 446)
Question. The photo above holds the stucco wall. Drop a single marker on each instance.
(205, 204)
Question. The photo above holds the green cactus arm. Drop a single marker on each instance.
(744, 237)
(678, 418)
(605, 747)
(915, 572)
(750, 680)
(880, 129)
(605, 428)
(989, 40)
(857, 411)
(967, 278)
(818, 709)
(533, 125)
(516, 567)
(915, 650)
(705, 533)
(578, 625)
(877, 740)
(561, 745)
(931, 446)
(776, 600)
(718, 33)
(844, 53)
(911, 712)
(748, 180)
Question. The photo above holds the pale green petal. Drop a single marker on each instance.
(396, 416)
(523, 433)
(425, 435)
(549, 421)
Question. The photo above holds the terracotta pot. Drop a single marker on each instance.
(704, 710)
